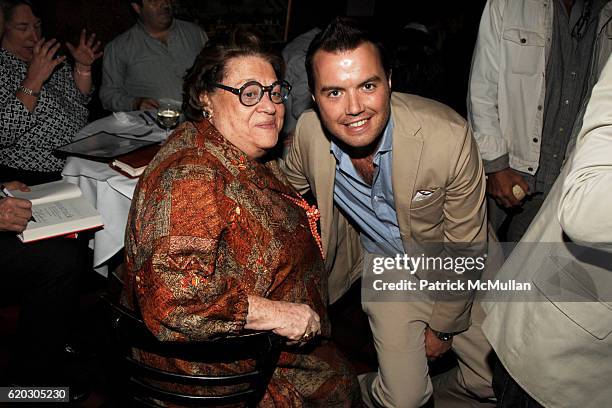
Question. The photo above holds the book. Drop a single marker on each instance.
(102, 146)
(134, 164)
(58, 209)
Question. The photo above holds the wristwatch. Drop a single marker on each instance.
(28, 91)
(442, 335)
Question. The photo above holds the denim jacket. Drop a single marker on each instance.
(507, 81)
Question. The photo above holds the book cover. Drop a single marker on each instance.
(102, 146)
(58, 209)
(133, 164)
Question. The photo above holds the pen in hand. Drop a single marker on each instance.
(7, 193)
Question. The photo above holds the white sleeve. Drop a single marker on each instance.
(585, 209)
(483, 115)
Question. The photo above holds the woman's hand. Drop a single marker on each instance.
(86, 52)
(43, 63)
(14, 214)
(294, 321)
(297, 322)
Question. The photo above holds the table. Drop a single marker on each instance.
(107, 190)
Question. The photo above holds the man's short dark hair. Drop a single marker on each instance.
(343, 34)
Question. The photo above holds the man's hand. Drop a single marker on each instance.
(145, 104)
(14, 214)
(500, 184)
(434, 347)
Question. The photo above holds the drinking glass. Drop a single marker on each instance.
(168, 115)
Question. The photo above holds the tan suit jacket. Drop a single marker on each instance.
(433, 149)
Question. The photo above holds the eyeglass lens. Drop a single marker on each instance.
(252, 93)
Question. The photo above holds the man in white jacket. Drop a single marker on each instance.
(534, 65)
(555, 345)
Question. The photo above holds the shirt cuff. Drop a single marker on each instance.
(495, 165)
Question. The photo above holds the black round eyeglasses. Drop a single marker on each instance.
(251, 93)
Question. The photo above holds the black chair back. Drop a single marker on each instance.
(139, 383)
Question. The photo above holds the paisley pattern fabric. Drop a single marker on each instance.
(207, 228)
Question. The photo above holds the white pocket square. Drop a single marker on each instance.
(422, 195)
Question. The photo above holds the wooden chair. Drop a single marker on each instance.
(137, 382)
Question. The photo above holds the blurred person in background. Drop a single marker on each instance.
(147, 63)
(42, 97)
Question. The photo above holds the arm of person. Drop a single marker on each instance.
(289, 320)
(14, 212)
(43, 63)
(190, 294)
(483, 113)
(85, 54)
(17, 108)
(465, 233)
(15, 118)
(113, 94)
(584, 208)
(293, 163)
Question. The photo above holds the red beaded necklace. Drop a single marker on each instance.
(313, 215)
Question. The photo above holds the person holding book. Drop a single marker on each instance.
(44, 277)
(219, 243)
(42, 98)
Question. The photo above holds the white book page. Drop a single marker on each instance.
(58, 212)
(48, 192)
(61, 218)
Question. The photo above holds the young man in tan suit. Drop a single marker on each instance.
(388, 171)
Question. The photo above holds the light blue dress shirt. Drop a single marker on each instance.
(372, 208)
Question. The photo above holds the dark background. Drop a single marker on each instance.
(435, 65)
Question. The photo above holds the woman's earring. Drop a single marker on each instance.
(206, 114)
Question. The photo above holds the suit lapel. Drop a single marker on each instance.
(407, 147)
(325, 194)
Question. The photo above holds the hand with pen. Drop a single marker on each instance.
(14, 212)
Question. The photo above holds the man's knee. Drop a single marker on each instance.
(397, 393)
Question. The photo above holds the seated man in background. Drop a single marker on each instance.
(148, 61)
(44, 275)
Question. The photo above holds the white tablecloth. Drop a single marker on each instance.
(107, 190)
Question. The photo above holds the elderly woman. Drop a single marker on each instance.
(42, 98)
(217, 240)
